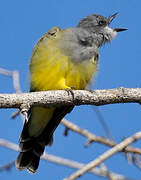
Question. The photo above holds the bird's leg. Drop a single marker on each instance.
(70, 91)
(24, 108)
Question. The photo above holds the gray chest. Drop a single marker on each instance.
(77, 44)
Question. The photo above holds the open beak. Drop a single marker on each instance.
(110, 19)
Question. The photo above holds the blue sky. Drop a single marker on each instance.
(21, 25)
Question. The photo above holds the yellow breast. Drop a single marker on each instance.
(52, 70)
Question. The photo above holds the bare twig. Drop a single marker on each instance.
(16, 81)
(64, 162)
(15, 77)
(66, 131)
(129, 157)
(94, 138)
(7, 167)
(104, 156)
(5, 72)
(15, 114)
(109, 175)
(136, 159)
(80, 97)
(103, 123)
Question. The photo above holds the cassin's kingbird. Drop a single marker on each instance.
(62, 59)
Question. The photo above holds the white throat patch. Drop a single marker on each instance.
(111, 34)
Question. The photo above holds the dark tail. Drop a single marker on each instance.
(29, 157)
(31, 148)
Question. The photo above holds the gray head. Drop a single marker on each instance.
(98, 26)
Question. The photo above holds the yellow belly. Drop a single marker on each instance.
(51, 70)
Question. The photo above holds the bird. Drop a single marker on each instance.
(62, 59)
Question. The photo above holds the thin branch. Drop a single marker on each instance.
(7, 167)
(77, 165)
(105, 155)
(15, 114)
(103, 123)
(5, 72)
(109, 175)
(93, 138)
(16, 82)
(136, 159)
(54, 98)
(15, 77)
(63, 161)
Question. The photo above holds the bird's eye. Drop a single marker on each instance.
(102, 22)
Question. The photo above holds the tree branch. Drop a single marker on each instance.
(62, 161)
(15, 77)
(93, 138)
(105, 155)
(76, 97)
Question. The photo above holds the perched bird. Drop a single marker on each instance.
(61, 59)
